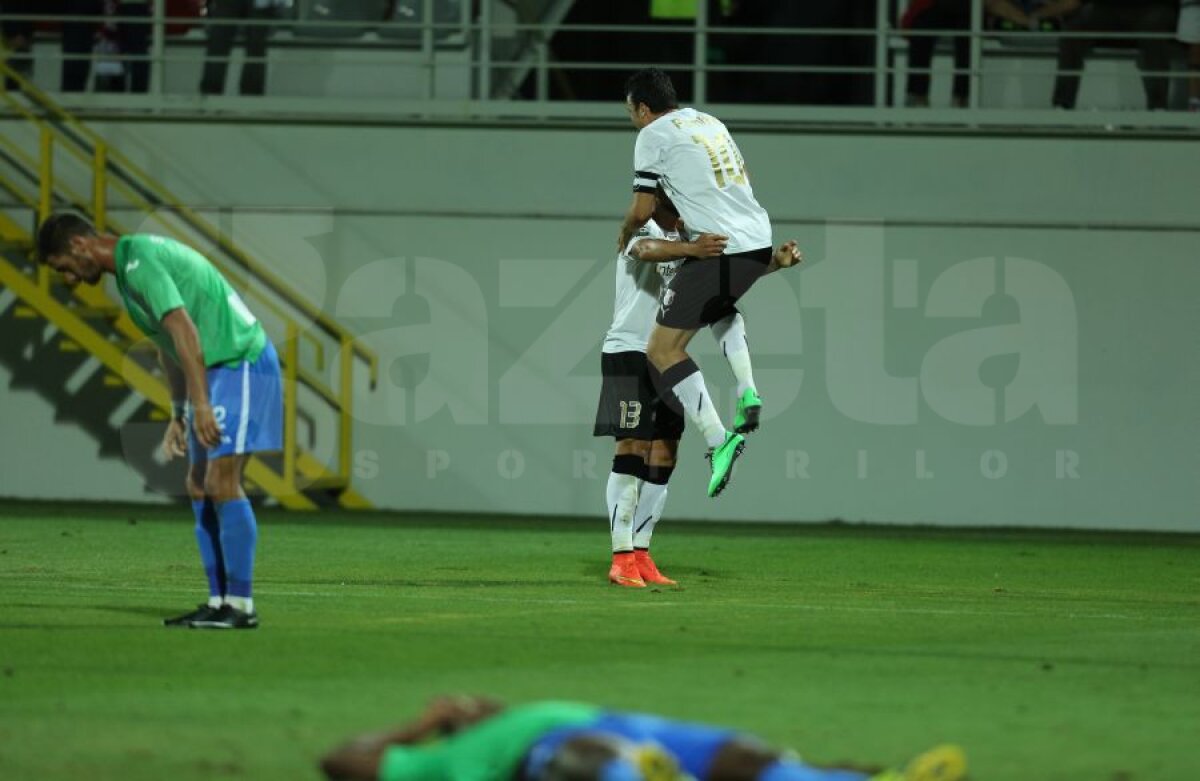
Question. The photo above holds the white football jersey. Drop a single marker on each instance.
(700, 167)
(638, 287)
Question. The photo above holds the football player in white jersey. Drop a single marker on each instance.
(646, 430)
(694, 159)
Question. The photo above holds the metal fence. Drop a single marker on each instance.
(507, 69)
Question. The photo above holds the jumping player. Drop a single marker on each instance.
(695, 160)
(646, 430)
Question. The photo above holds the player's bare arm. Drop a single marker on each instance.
(706, 245)
(639, 212)
(786, 256)
(183, 334)
(174, 444)
(358, 760)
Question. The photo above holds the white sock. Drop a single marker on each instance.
(622, 497)
(730, 333)
(244, 604)
(693, 395)
(651, 498)
(216, 602)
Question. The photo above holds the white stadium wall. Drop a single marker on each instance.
(987, 331)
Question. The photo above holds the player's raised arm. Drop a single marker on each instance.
(359, 759)
(706, 245)
(647, 165)
(178, 324)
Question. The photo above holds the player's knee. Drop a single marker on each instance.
(194, 484)
(655, 354)
(221, 481)
(212, 485)
(659, 350)
(663, 453)
(633, 447)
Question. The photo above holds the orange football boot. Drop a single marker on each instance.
(624, 571)
(649, 571)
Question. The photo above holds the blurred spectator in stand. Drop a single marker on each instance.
(126, 41)
(18, 37)
(677, 44)
(825, 54)
(568, 47)
(78, 41)
(133, 38)
(1189, 33)
(927, 15)
(1113, 16)
(221, 38)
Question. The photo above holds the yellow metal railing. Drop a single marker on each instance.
(114, 358)
(112, 171)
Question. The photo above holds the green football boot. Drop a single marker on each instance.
(721, 458)
(748, 408)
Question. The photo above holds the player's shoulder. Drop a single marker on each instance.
(665, 126)
(137, 252)
(148, 245)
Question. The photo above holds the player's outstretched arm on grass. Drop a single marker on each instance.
(706, 245)
(786, 256)
(358, 760)
(639, 212)
(178, 324)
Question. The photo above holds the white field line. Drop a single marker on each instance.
(401, 593)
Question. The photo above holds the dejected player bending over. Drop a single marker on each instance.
(695, 160)
(225, 389)
(475, 739)
(646, 430)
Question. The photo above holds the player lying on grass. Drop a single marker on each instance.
(225, 389)
(646, 430)
(476, 739)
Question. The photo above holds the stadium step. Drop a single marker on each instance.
(75, 345)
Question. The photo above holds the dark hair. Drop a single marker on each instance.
(54, 237)
(581, 758)
(653, 87)
(661, 193)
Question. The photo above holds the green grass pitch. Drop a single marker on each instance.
(1048, 656)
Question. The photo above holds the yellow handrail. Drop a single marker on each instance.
(99, 187)
(105, 164)
(331, 326)
(145, 383)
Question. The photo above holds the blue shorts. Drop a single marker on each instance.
(693, 746)
(247, 401)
